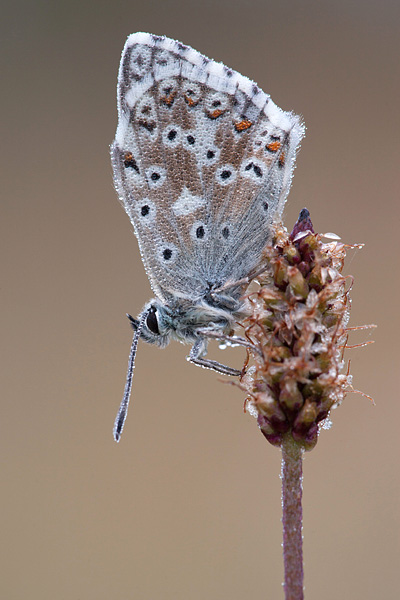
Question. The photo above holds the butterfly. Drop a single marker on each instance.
(202, 161)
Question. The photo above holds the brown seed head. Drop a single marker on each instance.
(298, 330)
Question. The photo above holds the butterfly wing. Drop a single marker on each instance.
(202, 160)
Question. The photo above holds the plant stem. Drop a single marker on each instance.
(292, 479)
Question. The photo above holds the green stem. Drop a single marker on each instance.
(292, 518)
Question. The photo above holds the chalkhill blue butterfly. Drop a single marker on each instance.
(203, 161)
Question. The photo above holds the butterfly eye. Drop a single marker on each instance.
(151, 321)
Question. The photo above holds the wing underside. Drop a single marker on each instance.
(202, 160)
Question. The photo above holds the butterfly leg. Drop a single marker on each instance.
(240, 282)
(195, 357)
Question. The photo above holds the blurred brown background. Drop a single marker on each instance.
(188, 504)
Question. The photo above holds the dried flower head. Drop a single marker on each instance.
(297, 334)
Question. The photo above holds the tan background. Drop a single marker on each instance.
(188, 505)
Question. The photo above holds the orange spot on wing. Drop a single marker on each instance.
(282, 159)
(273, 146)
(215, 113)
(190, 101)
(243, 125)
(129, 161)
(168, 100)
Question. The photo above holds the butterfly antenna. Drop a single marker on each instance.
(123, 409)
